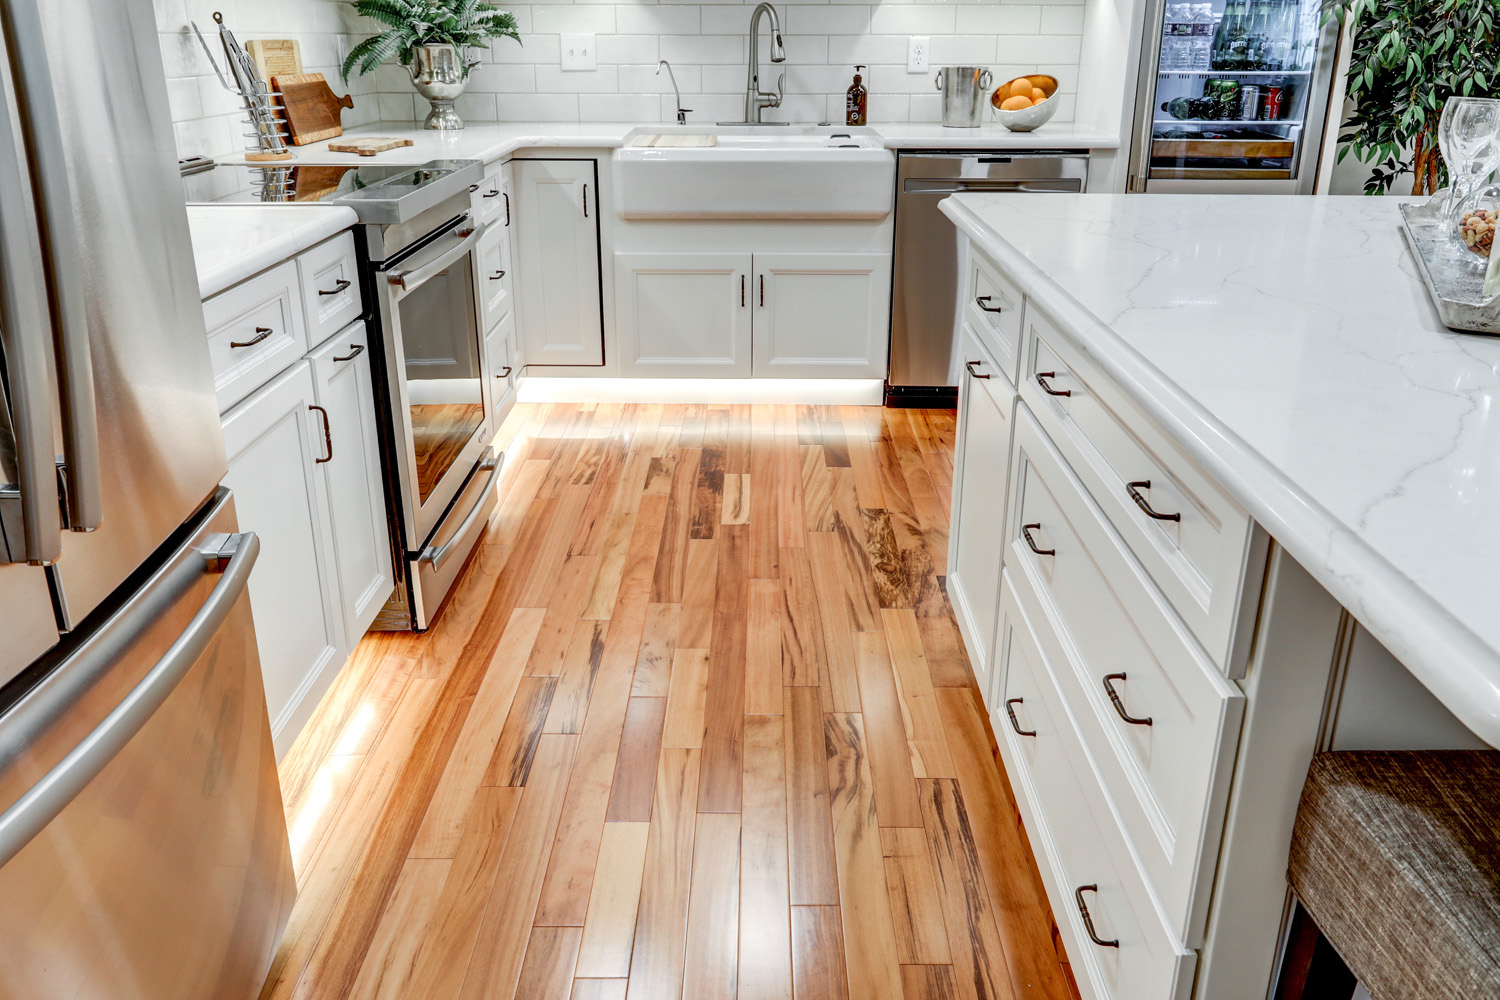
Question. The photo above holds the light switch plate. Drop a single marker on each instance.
(578, 52)
(916, 53)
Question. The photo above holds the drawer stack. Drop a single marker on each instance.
(491, 206)
(1127, 581)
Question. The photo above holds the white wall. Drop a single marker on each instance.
(706, 44)
(209, 119)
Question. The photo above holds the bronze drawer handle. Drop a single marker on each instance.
(1114, 696)
(969, 367)
(492, 194)
(507, 208)
(355, 350)
(1145, 484)
(261, 333)
(505, 373)
(327, 434)
(1041, 380)
(1014, 724)
(981, 300)
(1088, 921)
(1031, 542)
(338, 286)
(497, 275)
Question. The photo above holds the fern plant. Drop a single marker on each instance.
(463, 23)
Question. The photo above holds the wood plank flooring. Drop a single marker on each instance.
(696, 723)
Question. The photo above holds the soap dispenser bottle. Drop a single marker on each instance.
(857, 101)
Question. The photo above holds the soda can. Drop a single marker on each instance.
(1249, 102)
(1271, 107)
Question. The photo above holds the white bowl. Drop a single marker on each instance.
(1027, 119)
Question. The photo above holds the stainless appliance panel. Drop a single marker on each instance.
(143, 850)
(429, 312)
(435, 570)
(925, 290)
(117, 245)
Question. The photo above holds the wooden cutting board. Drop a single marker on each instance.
(367, 145)
(311, 108)
(275, 56)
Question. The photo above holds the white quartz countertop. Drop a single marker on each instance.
(493, 142)
(1288, 343)
(234, 242)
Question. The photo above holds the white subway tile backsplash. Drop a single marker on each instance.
(705, 41)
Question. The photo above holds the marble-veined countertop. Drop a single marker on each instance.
(235, 242)
(1289, 345)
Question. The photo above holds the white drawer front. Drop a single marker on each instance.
(330, 287)
(494, 276)
(993, 309)
(489, 199)
(255, 331)
(1075, 837)
(1168, 777)
(1197, 550)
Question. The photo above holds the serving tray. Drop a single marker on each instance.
(1454, 283)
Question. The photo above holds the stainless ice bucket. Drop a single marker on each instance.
(964, 90)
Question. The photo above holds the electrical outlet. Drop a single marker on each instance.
(578, 52)
(916, 53)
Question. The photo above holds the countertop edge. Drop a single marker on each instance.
(1448, 658)
(305, 229)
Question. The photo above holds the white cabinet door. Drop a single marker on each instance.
(275, 442)
(558, 261)
(683, 314)
(494, 278)
(502, 369)
(822, 315)
(977, 542)
(361, 535)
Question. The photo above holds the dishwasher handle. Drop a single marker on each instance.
(957, 185)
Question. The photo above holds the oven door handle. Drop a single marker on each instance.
(410, 279)
(436, 554)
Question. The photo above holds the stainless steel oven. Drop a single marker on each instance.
(422, 273)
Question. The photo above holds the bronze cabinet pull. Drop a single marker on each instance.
(493, 194)
(742, 291)
(497, 275)
(1145, 484)
(585, 201)
(506, 196)
(1031, 542)
(261, 333)
(338, 286)
(355, 350)
(1088, 921)
(763, 291)
(981, 300)
(969, 367)
(505, 372)
(1014, 724)
(1041, 380)
(327, 433)
(1114, 696)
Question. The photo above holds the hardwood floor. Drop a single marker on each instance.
(697, 723)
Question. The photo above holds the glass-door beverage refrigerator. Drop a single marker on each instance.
(1233, 96)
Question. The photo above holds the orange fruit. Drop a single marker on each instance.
(1021, 88)
(1038, 95)
(1016, 103)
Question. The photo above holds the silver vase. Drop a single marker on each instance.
(440, 73)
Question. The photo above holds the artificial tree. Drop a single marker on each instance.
(1408, 58)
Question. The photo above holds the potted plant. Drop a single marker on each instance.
(429, 37)
(1406, 59)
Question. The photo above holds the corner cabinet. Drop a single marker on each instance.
(767, 315)
(557, 237)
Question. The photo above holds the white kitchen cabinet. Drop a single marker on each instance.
(821, 315)
(557, 251)
(495, 275)
(683, 314)
(345, 389)
(276, 445)
(499, 350)
(978, 533)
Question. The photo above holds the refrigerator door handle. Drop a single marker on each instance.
(30, 520)
(80, 469)
(234, 556)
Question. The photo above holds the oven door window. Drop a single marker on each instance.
(440, 332)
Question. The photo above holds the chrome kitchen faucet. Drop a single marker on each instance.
(682, 112)
(755, 99)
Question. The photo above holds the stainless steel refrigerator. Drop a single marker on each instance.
(1233, 96)
(143, 850)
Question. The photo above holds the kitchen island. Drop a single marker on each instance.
(1256, 475)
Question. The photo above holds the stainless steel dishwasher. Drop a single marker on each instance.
(925, 292)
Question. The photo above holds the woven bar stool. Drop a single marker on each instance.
(1396, 860)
